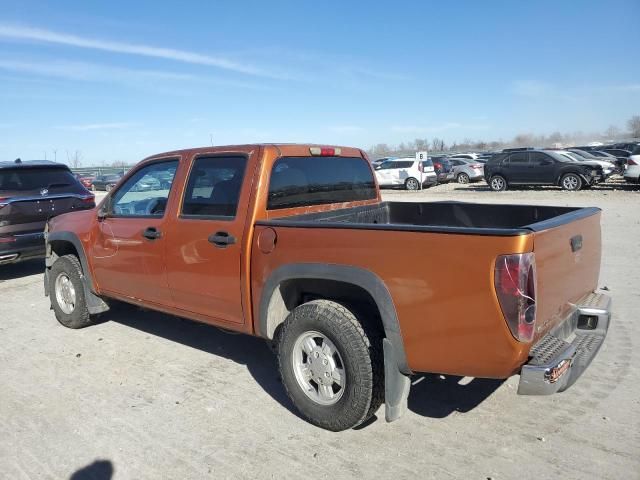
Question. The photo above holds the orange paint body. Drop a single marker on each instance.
(450, 318)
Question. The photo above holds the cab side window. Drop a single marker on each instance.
(145, 194)
(213, 188)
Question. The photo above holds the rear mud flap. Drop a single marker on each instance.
(396, 385)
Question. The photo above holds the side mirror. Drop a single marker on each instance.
(103, 212)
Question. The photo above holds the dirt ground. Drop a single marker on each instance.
(143, 395)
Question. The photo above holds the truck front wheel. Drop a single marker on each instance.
(331, 369)
(66, 289)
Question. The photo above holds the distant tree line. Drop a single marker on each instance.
(555, 139)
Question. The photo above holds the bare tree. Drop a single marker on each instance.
(76, 159)
(612, 132)
(633, 124)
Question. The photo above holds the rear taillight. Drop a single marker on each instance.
(89, 200)
(477, 165)
(9, 239)
(4, 201)
(515, 284)
(631, 162)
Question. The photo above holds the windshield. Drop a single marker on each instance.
(25, 179)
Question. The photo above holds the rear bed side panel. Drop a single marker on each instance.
(564, 276)
(441, 285)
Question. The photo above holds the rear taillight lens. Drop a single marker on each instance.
(4, 201)
(515, 284)
(631, 162)
(9, 239)
(477, 165)
(89, 200)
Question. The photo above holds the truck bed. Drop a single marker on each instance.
(446, 217)
(448, 321)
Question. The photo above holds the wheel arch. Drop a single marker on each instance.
(65, 243)
(293, 284)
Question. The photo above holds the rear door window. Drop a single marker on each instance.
(213, 188)
(304, 181)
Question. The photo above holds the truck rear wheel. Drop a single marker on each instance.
(331, 369)
(66, 289)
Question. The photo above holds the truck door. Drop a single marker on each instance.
(205, 241)
(129, 252)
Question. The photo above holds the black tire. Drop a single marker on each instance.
(69, 266)
(498, 183)
(360, 353)
(571, 182)
(412, 184)
(463, 178)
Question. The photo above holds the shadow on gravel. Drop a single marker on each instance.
(243, 349)
(98, 470)
(12, 271)
(439, 396)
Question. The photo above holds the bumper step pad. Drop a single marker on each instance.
(562, 355)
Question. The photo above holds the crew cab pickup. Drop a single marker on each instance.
(293, 243)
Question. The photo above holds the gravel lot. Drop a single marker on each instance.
(146, 395)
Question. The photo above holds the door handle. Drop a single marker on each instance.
(222, 239)
(151, 233)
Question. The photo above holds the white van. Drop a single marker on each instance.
(406, 172)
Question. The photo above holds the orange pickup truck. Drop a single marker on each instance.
(294, 244)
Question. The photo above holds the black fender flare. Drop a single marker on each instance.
(360, 277)
(94, 303)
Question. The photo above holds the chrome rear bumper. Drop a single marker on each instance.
(561, 356)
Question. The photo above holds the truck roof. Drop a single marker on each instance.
(286, 149)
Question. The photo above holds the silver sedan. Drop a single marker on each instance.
(466, 171)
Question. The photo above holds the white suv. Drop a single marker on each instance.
(632, 173)
(406, 172)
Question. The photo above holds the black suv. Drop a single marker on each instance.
(530, 166)
(31, 192)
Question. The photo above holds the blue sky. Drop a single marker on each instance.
(121, 80)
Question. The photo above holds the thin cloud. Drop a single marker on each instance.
(92, 72)
(532, 88)
(430, 129)
(98, 126)
(22, 33)
(346, 129)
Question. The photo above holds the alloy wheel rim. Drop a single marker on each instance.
(412, 184)
(497, 183)
(65, 293)
(463, 178)
(318, 368)
(570, 182)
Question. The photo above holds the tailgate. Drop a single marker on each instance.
(568, 265)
